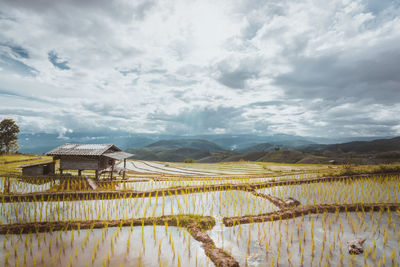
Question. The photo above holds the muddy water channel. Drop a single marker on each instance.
(314, 240)
(118, 246)
(368, 190)
(222, 204)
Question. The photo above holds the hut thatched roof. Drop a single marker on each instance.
(82, 150)
(36, 164)
(118, 155)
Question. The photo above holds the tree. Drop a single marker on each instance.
(189, 160)
(8, 136)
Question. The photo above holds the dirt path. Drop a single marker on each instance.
(307, 210)
(274, 200)
(91, 183)
(218, 256)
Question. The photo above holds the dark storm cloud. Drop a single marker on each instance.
(342, 76)
(236, 75)
(199, 119)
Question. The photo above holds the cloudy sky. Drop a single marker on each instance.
(304, 67)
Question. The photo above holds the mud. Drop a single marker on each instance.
(274, 200)
(218, 256)
(203, 223)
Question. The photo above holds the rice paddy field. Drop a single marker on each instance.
(178, 214)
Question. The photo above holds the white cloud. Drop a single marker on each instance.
(175, 66)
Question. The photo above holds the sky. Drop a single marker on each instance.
(302, 67)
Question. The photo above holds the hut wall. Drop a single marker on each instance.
(79, 164)
(33, 171)
(49, 168)
(39, 169)
(104, 163)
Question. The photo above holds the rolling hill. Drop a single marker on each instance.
(176, 150)
(364, 152)
(186, 143)
(356, 147)
(279, 156)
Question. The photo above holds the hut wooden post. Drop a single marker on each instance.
(79, 172)
(97, 174)
(7, 186)
(123, 176)
(112, 169)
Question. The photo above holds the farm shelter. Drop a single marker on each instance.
(38, 168)
(97, 157)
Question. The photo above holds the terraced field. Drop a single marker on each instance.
(228, 214)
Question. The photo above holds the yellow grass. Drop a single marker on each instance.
(12, 162)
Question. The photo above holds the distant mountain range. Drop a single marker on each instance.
(39, 143)
(226, 147)
(175, 150)
(359, 147)
(376, 151)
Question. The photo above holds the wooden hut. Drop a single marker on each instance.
(38, 168)
(97, 157)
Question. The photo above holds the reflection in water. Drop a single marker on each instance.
(313, 240)
(119, 246)
(223, 203)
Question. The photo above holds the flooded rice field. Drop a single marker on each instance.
(314, 240)
(117, 246)
(221, 203)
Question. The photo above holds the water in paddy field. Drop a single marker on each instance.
(369, 190)
(20, 186)
(289, 242)
(152, 185)
(32, 186)
(220, 203)
(125, 246)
